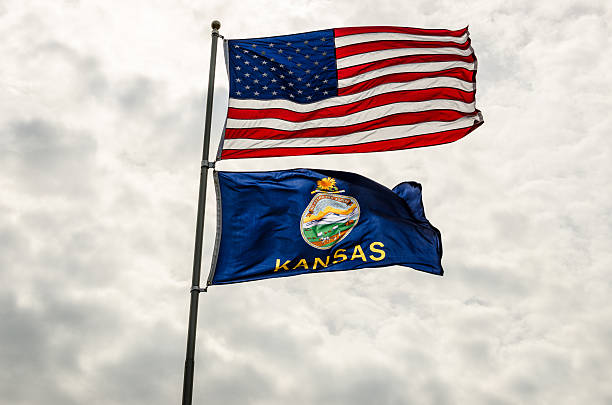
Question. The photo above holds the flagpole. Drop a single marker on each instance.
(197, 254)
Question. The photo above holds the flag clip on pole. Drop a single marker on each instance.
(197, 254)
(207, 164)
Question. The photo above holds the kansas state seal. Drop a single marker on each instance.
(329, 217)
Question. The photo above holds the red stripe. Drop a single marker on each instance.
(356, 49)
(418, 141)
(340, 32)
(401, 60)
(459, 73)
(326, 132)
(440, 93)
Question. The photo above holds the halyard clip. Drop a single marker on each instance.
(207, 164)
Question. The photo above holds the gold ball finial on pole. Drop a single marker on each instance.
(215, 25)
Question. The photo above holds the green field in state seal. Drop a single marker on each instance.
(329, 217)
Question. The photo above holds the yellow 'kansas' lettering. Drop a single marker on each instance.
(377, 254)
(374, 250)
(284, 266)
(318, 260)
(339, 256)
(301, 263)
(358, 252)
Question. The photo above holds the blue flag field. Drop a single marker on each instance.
(289, 222)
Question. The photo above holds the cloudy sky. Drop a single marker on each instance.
(101, 121)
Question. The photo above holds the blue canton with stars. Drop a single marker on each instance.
(299, 67)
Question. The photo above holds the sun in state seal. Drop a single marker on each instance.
(329, 217)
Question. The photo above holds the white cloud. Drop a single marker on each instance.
(102, 111)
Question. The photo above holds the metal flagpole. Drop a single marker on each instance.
(197, 254)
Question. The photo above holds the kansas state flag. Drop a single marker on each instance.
(289, 222)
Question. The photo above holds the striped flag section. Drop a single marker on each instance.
(349, 90)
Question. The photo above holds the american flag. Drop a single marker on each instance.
(349, 90)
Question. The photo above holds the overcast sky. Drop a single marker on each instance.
(101, 121)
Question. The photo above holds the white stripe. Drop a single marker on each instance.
(374, 56)
(405, 68)
(356, 118)
(394, 36)
(374, 135)
(421, 84)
